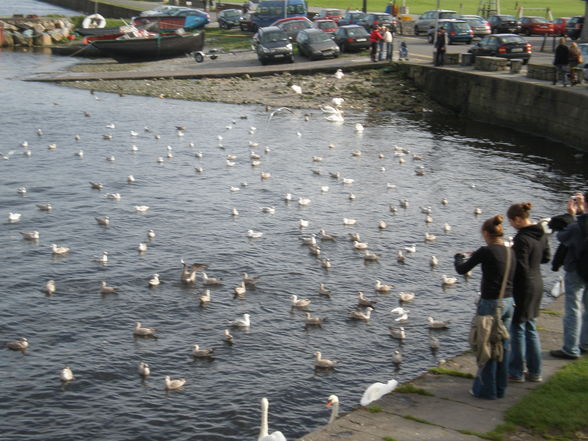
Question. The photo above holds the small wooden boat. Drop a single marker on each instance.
(159, 47)
(76, 50)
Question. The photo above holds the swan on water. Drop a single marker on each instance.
(320, 362)
(150, 234)
(240, 289)
(360, 245)
(371, 257)
(103, 259)
(263, 428)
(314, 321)
(141, 208)
(142, 247)
(67, 374)
(324, 291)
(14, 217)
(244, 322)
(254, 234)
(173, 384)
(448, 281)
(333, 400)
(211, 280)
(376, 391)
(434, 261)
(205, 298)
(406, 296)
(358, 315)
(379, 287)
(396, 357)
(154, 281)
(397, 333)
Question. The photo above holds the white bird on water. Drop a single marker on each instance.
(205, 298)
(105, 289)
(143, 332)
(174, 384)
(244, 322)
(324, 363)
(254, 234)
(201, 353)
(143, 369)
(49, 287)
(59, 250)
(382, 288)
(67, 374)
(358, 128)
(154, 281)
(299, 303)
(14, 217)
(358, 315)
(103, 259)
(30, 235)
(18, 345)
(437, 324)
(376, 391)
(263, 428)
(333, 400)
(151, 234)
(448, 281)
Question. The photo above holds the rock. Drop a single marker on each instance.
(38, 28)
(8, 26)
(42, 40)
(8, 39)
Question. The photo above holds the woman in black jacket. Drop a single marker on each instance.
(492, 378)
(531, 250)
(561, 62)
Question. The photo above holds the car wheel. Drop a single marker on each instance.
(198, 57)
(263, 61)
(469, 41)
(221, 25)
(241, 27)
(416, 31)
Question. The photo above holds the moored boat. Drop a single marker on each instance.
(158, 47)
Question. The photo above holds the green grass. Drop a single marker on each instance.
(550, 312)
(450, 372)
(559, 8)
(558, 408)
(110, 22)
(374, 409)
(418, 420)
(495, 435)
(229, 40)
(388, 438)
(410, 388)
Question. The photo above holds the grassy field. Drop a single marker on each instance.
(559, 8)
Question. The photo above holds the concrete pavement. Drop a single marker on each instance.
(449, 413)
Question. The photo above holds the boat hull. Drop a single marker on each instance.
(149, 49)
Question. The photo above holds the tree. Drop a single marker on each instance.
(584, 35)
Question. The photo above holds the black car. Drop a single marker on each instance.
(351, 17)
(272, 44)
(503, 46)
(293, 27)
(245, 23)
(314, 44)
(574, 27)
(378, 18)
(227, 18)
(457, 31)
(503, 24)
(352, 37)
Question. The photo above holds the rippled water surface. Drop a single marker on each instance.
(190, 212)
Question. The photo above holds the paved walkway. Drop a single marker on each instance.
(451, 411)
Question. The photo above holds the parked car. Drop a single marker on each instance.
(159, 10)
(328, 26)
(245, 23)
(378, 18)
(503, 46)
(352, 37)
(458, 31)
(315, 44)
(504, 24)
(351, 17)
(288, 19)
(559, 25)
(292, 27)
(272, 44)
(536, 25)
(329, 14)
(584, 49)
(574, 27)
(227, 18)
(428, 19)
(480, 27)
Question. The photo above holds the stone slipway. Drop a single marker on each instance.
(451, 413)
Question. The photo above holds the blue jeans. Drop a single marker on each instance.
(525, 347)
(492, 378)
(389, 50)
(380, 50)
(575, 323)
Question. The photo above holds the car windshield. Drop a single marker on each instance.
(333, 12)
(539, 20)
(295, 26)
(272, 37)
(448, 15)
(274, 10)
(512, 39)
(507, 18)
(316, 37)
(461, 26)
(357, 32)
(474, 22)
(232, 13)
(326, 25)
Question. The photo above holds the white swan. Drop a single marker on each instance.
(142, 247)
(240, 289)
(254, 234)
(397, 333)
(244, 322)
(151, 234)
(67, 374)
(205, 298)
(333, 400)
(406, 296)
(376, 391)
(324, 291)
(227, 337)
(103, 259)
(174, 384)
(141, 208)
(437, 324)
(358, 315)
(211, 280)
(314, 321)
(263, 428)
(359, 128)
(396, 357)
(154, 281)
(448, 281)
(434, 261)
(14, 217)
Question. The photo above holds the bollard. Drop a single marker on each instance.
(467, 59)
(516, 65)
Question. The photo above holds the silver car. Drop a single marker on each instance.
(428, 19)
(479, 25)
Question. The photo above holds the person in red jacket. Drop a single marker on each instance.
(375, 37)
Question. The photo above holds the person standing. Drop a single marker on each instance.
(375, 37)
(575, 59)
(389, 41)
(381, 45)
(575, 323)
(492, 377)
(440, 46)
(531, 250)
(561, 62)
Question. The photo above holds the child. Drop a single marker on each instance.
(403, 51)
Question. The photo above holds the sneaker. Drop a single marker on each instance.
(558, 353)
(535, 378)
(516, 380)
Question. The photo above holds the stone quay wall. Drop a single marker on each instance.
(559, 113)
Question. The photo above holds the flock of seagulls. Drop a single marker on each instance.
(362, 310)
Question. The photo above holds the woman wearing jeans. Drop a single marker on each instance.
(531, 250)
(492, 378)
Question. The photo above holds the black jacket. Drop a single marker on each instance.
(531, 249)
(559, 223)
(562, 55)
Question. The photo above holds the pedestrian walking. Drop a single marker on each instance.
(492, 377)
(389, 42)
(531, 250)
(575, 322)
(403, 51)
(440, 46)
(575, 59)
(375, 37)
(562, 62)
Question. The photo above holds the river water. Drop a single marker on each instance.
(469, 164)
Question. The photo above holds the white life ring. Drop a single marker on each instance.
(94, 21)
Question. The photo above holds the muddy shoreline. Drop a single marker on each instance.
(380, 89)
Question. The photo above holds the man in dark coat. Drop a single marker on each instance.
(440, 46)
(562, 62)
